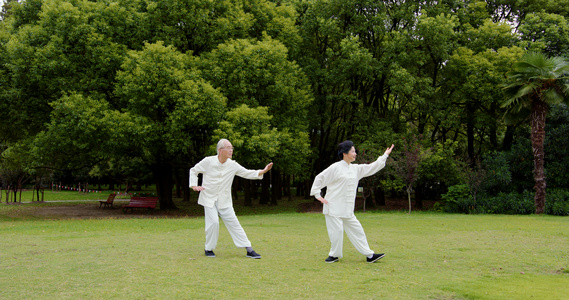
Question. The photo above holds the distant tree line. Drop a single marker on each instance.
(137, 91)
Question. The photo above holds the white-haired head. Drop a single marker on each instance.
(221, 144)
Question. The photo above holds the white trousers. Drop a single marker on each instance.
(230, 220)
(354, 230)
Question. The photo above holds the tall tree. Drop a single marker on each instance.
(260, 74)
(173, 106)
(534, 83)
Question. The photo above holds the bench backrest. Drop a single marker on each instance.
(145, 200)
(111, 198)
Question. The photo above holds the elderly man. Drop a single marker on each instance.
(215, 196)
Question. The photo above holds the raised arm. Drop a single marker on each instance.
(388, 150)
(365, 170)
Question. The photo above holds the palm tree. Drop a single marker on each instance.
(533, 84)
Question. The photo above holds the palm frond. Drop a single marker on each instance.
(552, 96)
(534, 77)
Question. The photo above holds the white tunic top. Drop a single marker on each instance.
(217, 180)
(341, 180)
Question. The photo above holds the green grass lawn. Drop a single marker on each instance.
(64, 195)
(428, 256)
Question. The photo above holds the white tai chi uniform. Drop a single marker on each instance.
(216, 198)
(341, 179)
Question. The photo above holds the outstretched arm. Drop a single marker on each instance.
(388, 150)
(266, 169)
(365, 170)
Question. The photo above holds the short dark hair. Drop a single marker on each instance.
(344, 147)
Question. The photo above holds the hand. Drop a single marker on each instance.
(321, 199)
(388, 151)
(266, 169)
(197, 188)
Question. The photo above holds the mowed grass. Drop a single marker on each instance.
(64, 195)
(428, 256)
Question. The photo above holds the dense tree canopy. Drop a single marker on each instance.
(148, 86)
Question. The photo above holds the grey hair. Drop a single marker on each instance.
(221, 144)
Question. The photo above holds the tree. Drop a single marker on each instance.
(264, 87)
(534, 83)
(411, 159)
(172, 107)
(250, 132)
(545, 33)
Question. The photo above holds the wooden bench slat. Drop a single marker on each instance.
(141, 202)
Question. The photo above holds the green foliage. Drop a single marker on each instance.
(250, 132)
(520, 160)
(509, 203)
(439, 168)
(258, 73)
(159, 77)
(557, 202)
(498, 176)
(545, 33)
(171, 104)
(458, 199)
(268, 97)
(258, 143)
(535, 78)
(80, 134)
(557, 145)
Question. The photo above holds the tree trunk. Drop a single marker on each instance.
(265, 195)
(379, 195)
(235, 189)
(163, 177)
(247, 193)
(186, 184)
(409, 197)
(275, 186)
(508, 138)
(419, 197)
(286, 187)
(470, 109)
(178, 183)
(538, 115)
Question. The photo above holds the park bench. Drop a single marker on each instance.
(141, 202)
(109, 201)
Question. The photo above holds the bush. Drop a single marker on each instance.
(497, 176)
(458, 199)
(509, 203)
(557, 202)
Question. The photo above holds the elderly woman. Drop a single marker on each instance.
(341, 180)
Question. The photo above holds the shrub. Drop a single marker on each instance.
(497, 176)
(458, 199)
(509, 203)
(557, 202)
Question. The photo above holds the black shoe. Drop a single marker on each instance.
(331, 259)
(375, 257)
(209, 253)
(253, 254)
